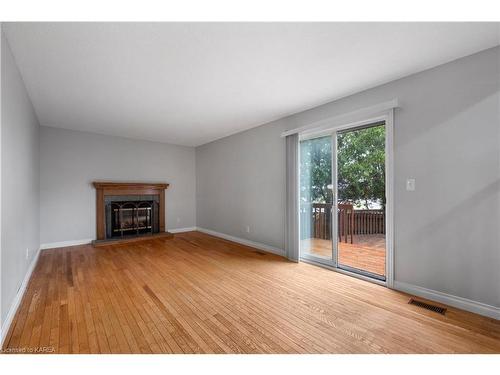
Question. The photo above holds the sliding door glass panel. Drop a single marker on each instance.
(361, 200)
(316, 198)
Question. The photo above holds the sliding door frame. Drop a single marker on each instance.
(388, 118)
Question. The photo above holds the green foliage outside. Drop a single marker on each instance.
(316, 170)
(361, 168)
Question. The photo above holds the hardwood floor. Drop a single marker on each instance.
(200, 294)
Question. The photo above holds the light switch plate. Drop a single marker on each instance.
(410, 184)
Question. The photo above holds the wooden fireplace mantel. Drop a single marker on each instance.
(126, 188)
(129, 186)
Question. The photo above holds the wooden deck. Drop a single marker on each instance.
(200, 294)
(366, 253)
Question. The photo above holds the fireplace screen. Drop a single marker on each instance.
(130, 218)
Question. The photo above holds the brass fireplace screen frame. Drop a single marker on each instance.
(126, 218)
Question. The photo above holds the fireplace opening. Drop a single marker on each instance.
(134, 217)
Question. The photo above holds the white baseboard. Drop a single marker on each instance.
(181, 230)
(17, 299)
(54, 245)
(257, 245)
(448, 299)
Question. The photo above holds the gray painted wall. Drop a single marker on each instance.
(71, 160)
(20, 181)
(447, 137)
(240, 181)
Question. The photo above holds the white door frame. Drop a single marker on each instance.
(388, 118)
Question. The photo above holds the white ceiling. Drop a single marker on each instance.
(191, 83)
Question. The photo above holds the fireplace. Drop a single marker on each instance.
(129, 211)
(131, 216)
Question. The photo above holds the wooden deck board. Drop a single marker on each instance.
(200, 294)
(366, 253)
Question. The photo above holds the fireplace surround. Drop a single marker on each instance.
(129, 211)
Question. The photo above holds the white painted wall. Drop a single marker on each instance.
(70, 160)
(19, 183)
(447, 137)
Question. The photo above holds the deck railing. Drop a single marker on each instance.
(316, 221)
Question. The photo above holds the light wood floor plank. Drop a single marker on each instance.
(200, 294)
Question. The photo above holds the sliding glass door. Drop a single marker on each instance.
(361, 200)
(343, 200)
(316, 198)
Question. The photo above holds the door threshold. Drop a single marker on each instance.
(361, 272)
(345, 272)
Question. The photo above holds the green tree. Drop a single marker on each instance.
(361, 167)
(316, 170)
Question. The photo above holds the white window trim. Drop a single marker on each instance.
(362, 114)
